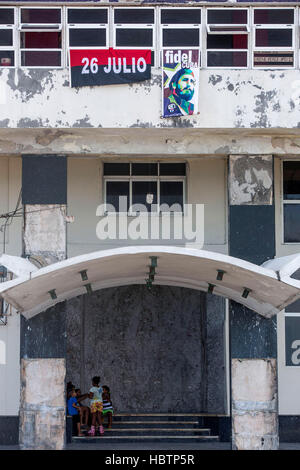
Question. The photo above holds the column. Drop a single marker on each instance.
(42, 407)
(253, 340)
(43, 337)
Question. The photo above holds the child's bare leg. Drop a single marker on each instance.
(99, 418)
(109, 420)
(85, 415)
(94, 419)
(79, 430)
(81, 415)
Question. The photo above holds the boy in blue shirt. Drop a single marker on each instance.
(73, 410)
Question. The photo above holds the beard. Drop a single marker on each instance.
(186, 94)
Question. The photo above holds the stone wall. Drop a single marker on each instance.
(156, 350)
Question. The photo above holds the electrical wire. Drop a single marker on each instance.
(9, 219)
(18, 212)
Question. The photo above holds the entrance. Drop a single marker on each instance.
(159, 350)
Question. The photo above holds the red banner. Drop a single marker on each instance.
(92, 67)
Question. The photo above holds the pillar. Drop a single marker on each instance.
(42, 406)
(43, 338)
(253, 339)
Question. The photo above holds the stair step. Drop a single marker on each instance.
(135, 438)
(157, 429)
(155, 424)
(153, 427)
(155, 432)
(180, 415)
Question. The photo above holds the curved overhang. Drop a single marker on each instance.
(260, 288)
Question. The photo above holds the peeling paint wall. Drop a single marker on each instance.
(227, 99)
(42, 409)
(250, 180)
(45, 232)
(254, 404)
(130, 142)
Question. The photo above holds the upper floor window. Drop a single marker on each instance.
(273, 37)
(40, 37)
(145, 187)
(7, 37)
(180, 28)
(291, 201)
(133, 28)
(227, 38)
(259, 37)
(87, 27)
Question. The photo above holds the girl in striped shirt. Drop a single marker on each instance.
(107, 405)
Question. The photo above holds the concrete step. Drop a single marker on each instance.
(154, 424)
(146, 438)
(156, 431)
(153, 427)
(156, 417)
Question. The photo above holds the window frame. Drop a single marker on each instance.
(46, 29)
(132, 178)
(158, 28)
(292, 48)
(286, 201)
(115, 26)
(247, 32)
(13, 27)
(69, 26)
(163, 26)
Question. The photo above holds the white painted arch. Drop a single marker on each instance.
(184, 267)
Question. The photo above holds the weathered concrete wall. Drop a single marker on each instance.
(44, 336)
(156, 350)
(253, 338)
(42, 409)
(254, 404)
(172, 142)
(45, 232)
(250, 180)
(227, 99)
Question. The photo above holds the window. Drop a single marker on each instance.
(151, 186)
(87, 27)
(133, 28)
(273, 37)
(40, 37)
(180, 28)
(291, 201)
(7, 37)
(227, 38)
(232, 35)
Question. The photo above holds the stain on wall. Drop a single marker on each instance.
(250, 179)
(39, 98)
(254, 404)
(42, 404)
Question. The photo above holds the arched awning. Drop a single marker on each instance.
(266, 289)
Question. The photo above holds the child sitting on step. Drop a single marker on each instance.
(96, 406)
(73, 410)
(107, 405)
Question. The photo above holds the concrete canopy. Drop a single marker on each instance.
(184, 267)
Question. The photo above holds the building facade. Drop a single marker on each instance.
(67, 150)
